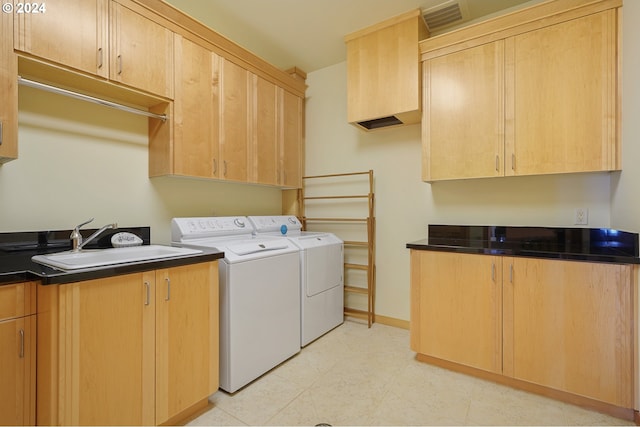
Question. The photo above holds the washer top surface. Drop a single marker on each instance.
(232, 235)
(289, 226)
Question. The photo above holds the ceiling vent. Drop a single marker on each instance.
(446, 14)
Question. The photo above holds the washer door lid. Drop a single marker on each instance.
(256, 247)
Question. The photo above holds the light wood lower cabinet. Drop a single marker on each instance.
(138, 349)
(17, 354)
(456, 311)
(564, 325)
(569, 326)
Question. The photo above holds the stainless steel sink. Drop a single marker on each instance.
(104, 257)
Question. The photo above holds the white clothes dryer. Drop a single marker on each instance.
(259, 295)
(321, 273)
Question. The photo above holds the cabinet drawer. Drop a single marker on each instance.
(17, 300)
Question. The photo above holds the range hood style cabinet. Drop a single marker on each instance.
(230, 115)
(532, 92)
(383, 73)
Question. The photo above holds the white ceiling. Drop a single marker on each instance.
(308, 34)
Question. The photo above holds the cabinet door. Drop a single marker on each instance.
(561, 104)
(106, 351)
(195, 147)
(17, 376)
(141, 52)
(463, 117)
(186, 337)
(291, 139)
(234, 121)
(69, 32)
(456, 308)
(568, 325)
(265, 131)
(9, 89)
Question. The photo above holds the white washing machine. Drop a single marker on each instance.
(321, 273)
(259, 295)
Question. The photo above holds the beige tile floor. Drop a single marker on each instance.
(359, 376)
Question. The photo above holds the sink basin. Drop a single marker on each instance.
(103, 257)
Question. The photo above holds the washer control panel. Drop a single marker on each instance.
(275, 223)
(201, 227)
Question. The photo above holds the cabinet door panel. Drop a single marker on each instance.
(17, 376)
(463, 123)
(563, 115)
(70, 32)
(568, 326)
(9, 85)
(107, 341)
(195, 111)
(234, 122)
(141, 52)
(265, 130)
(186, 337)
(292, 139)
(456, 308)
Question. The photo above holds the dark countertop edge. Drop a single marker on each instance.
(50, 276)
(421, 245)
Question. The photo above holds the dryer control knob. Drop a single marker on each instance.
(283, 229)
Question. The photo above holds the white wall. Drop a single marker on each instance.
(79, 160)
(625, 203)
(405, 205)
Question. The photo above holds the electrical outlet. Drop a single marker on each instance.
(581, 216)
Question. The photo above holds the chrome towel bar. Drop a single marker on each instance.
(83, 97)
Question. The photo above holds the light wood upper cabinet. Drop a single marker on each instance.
(9, 86)
(569, 326)
(143, 346)
(234, 121)
(456, 308)
(533, 92)
(277, 134)
(291, 139)
(141, 52)
(73, 33)
(463, 123)
(383, 78)
(103, 38)
(195, 114)
(17, 354)
(228, 123)
(562, 86)
(229, 113)
(265, 131)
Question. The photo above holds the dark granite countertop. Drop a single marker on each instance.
(576, 244)
(16, 250)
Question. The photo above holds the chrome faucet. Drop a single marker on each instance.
(77, 242)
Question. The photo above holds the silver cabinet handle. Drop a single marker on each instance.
(513, 161)
(497, 163)
(511, 273)
(21, 343)
(493, 272)
(224, 168)
(119, 64)
(215, 166)
(168, 289)
(99, 57)
(147, 286)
